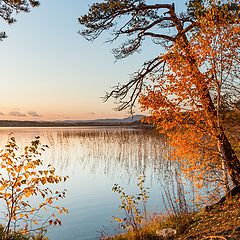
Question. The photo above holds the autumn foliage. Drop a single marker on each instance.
(23, 181)
(177, 101)
(133, 206)
(191, 84)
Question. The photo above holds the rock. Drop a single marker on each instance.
(166, 233)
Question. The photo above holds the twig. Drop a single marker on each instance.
(214, 237)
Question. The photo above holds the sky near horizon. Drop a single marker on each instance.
(50, 72)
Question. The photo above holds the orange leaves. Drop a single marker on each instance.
(27, 194)
(49, 201)
(43, 180)
(24, 179)
(35, 222)
(200, 82)
(65, 210)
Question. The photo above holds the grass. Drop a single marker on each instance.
(148, 231)
(221, 222)
(19, 236)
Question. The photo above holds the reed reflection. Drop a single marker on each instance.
(132, 151)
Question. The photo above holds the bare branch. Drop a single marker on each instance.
(120, 92)
(162, 36)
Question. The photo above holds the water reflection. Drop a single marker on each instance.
(95, 159)
(133, 150)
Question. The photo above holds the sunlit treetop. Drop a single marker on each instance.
(199, 8)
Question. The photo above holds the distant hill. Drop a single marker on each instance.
(129, 121)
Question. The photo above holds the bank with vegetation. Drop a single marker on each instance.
(220, 221)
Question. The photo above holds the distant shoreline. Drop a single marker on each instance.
(12, 123)
(132, 121)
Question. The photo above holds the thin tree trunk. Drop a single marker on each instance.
(229, 157)
(231, 161)
(224, 167)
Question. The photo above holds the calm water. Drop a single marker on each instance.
(95, 159)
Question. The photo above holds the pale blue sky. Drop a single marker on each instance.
(48, 71)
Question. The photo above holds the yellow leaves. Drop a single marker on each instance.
(133, 216)
(21, 179)
(33, 210)
(119, 220)
(9, 161)
(25, 168)
(24, 231)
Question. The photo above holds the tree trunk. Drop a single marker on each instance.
(230, 159)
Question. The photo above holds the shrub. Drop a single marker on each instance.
(130, 204)
(23, 178)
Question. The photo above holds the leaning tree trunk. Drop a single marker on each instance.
(228, 155)
(230, 159)
(224, 167)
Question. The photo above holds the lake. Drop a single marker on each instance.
(95, 158)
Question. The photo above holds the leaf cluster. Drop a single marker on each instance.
(23, 177)
(133, 206)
